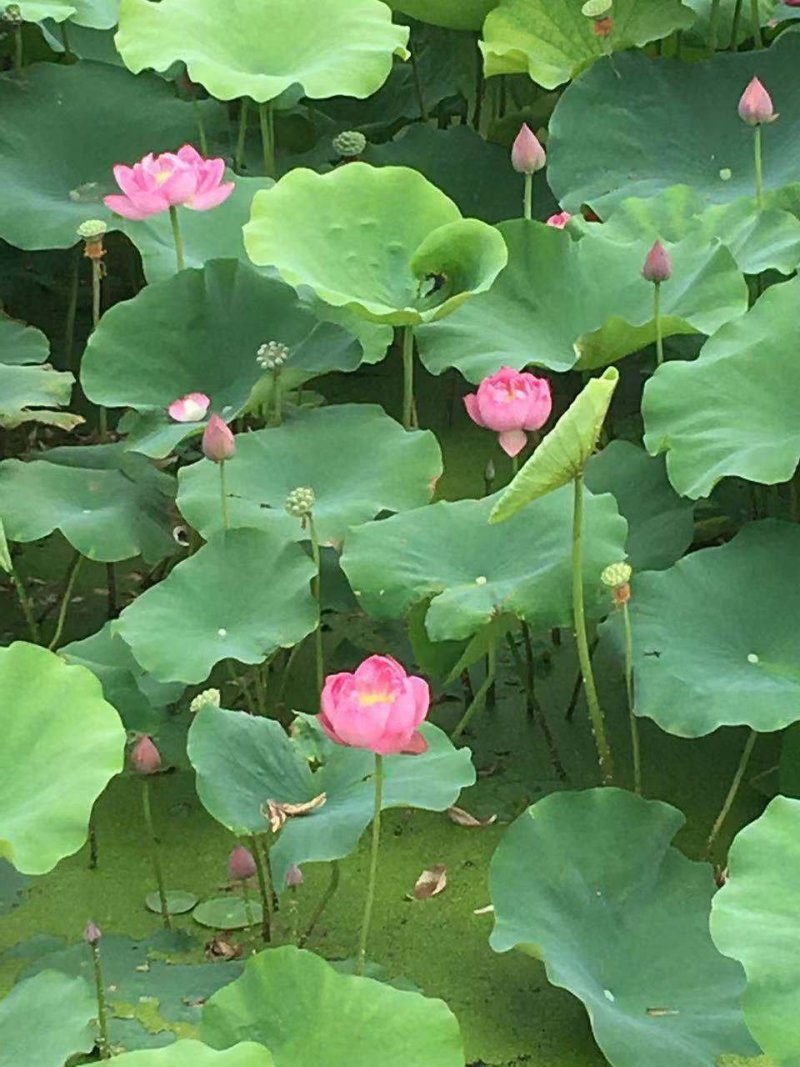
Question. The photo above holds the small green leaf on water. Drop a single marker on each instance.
(228, 913)
(179, 901)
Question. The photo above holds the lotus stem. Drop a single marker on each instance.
(72, 311)
(72, 575)
(535, 712)
(201, 126)
(111, 581)
(264, 889)
(97, 274)
(755, 17)
(65, 39)
(713, 23)
(19, 58)
(238, 158)
(266, 121)
(585, 659)
(423, 111)
(102, 1018)
(408, 377)
(514, 466)
(176, 236)
(25, 604)
(759, 161)
(657, 317)
(325, 900)
(737, 18)
(316, 589)
(248, 907)
(373, 867)
(729, 799)
(527, 198)
(148, 819)
(479, 700)
(223, 492)
(635, 742)
(93, 850)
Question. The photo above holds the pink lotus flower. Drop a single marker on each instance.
(157, 183)
(218, 442)
(527, 154)
(559, 220)
(658, 264)
(189, 408)
(379, 707)
(755, 105)
(511, 402)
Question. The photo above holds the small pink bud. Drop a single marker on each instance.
(241, 864)
(294, 876)
(91, 933)
(658, 265)
(145, 757)
(218, 441)
(755, 105)
(527, 154)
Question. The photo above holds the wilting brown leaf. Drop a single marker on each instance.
(219, 948)
(277, 813)
(431, 882)
(463, 818)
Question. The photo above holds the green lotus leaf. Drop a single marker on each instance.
(603, 150)
(264, 47)
(97, 14)
(228, 913)
(660, 523)
(474, 571)
(110, 505)
(341, 234)
(563, 454)
(322, 1010)
(453, 14)
(29, 394)
(755, 920)
(21, 344)
(67, 1005)
(243, 760)
(196, 1054)
(738, 663)
(358, 461)
(179, 901)
(588, 883)
(54, 180)
(224, 602)
(62, 744)
(750, 429)
(552, 41)
(85, 43)
(560, 301)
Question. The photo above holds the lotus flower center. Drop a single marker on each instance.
(512, 394)
(162, 176)
(366, 700)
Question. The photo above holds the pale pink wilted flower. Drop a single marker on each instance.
(241, 864)
(157, 183)
(294, 876)
(189, 408)
(755, 105)
(92, 933)
(559, 220)
(378, 707)
(218, 442)
(527, 154)
(658, 265)
(510, 402)
(145, 757)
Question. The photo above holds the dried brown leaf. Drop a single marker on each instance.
(277, 813)
(463, 818)
(431, 882)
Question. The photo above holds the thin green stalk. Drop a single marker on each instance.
(72, 575)
(316, 589)
(755, 17)
(479, 699)
(324, 901)
(794, 498)
(286, 672)
(729, 799)
(93, 850)
(266, 121)
(373, 867)
(111, 583)
(657, 317)
(97, 274)
(737, 18)
(264, 889)
(585, 659)
(408, 377)
(243, 685)
(148, 819)
(102, 1020)
(514, 466)
(19, 58)
(25, 604)
(72, 311)
(223, 491)
(527, 198)
(176, 236)
(277, 398)
(248, 907)
(713, 24)
(759, 168)
(635, 744)
(201, 126)
(238, 158)
(423, 111)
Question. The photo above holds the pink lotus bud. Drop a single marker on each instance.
(527, 154)
(145, 757)
(218, 441)
(658, 265)
(510, 402)
(157, 183)
(91, 933)
(603, 27)
(189, 408)
(559, 220)
(755, 106)
(294, 876)
(378, 707)
(241, 864)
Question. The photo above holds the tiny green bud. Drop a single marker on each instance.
(616, 574)
(300, 502)
(349, 143)
(92, 229)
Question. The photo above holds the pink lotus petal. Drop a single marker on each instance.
(121, 205)
(205, 201)
(512, 442)
(189, 408)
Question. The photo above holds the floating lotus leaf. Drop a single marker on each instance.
(358, 461)
(322, 1010)
(54, 180)
(453, 14)
(242, 596)
(28, 390)
(750, 370)
(62, 743)
(552, 41)
(756, 920)
(263, 47)
(474, 570)
(342, 234)
(68, 1006)
(196, 1054)
(563, 454)
(242, 761)
(97, 14)
(603, 149)
(560, 302)
(717, 636)
(110, 505)
(587, 882)
(228, 913)
(21, 344)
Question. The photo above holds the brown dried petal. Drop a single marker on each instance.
(277, 813)
(431, 882)
(463, 818)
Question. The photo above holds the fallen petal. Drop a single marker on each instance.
(463, 818)
(431, 882)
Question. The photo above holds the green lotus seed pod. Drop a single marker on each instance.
(92, 229)
(209, 698)
(300, 502)
(616, 574)
(596, 9)
(272, 355)
(13, 13)
(349, 143)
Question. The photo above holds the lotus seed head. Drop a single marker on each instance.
(300, 502)
(12, 13)
(294, 876)
(92, 933)
(272, 355)
(596, 9)
(616, 574)
(92, 229)
(209, 698)
(349, 143)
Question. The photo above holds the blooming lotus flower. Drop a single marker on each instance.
(658, 265)
(189, 408)
(378, 707)
(510, 402)
(527, 154)
(218, 442)
(241, 864)
(755, 105)
(157, 183)
(559, 220)
(145, 757)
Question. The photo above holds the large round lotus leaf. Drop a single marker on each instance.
(47, 1019)
(717, 636)
(109, 504)
(560, 301)
(358, 461)
(474, 570)
(29, 394)
(319, 1016)
(756, 920)
(660, 523)
(62, 743)
(242, 761)
(196, 1054)
(453, 14)
(588, 883)
(20, 344)
(242, 596)
(260, 49)
(54, 180)
(603, 150)
(731, 411)
(345, 235)
(552, 41)
(97, 14)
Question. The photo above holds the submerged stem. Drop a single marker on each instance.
(729, 799)
(373, 866)
(148, 819)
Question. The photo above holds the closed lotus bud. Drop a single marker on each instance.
(218, 441)
(658, 265)
(527, 154)
(145, 757)
(294, 876)
(755, 105)
(91, 933)
(241, 864)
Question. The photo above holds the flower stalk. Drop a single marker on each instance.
(373, 867)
